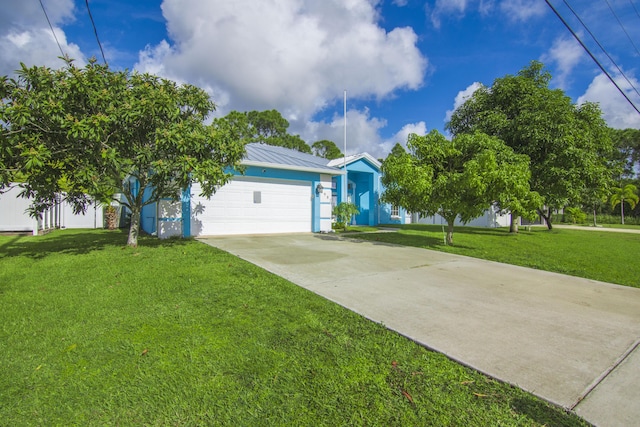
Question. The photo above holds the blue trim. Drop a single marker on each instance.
(315, 206)
(186, 212)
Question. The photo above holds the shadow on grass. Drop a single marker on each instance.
(393, 239)
(537, 410)
(75, 242)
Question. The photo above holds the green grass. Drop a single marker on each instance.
(625, 226)
(357, 229)
(599, 255)
(178, 333)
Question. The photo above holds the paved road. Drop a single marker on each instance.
(568, 340)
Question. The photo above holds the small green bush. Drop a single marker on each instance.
(575, 216)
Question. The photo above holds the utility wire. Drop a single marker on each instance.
(622, 26)
(591, 55)
(95, 30)
(634, 8)
(51, 26)
(601, 47)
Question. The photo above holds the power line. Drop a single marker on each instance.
(591, 55)
(622, 26)
(634, 8)
(95, 31)
(601, 47)
(51, 26)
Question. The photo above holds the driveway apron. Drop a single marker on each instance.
(569, 340)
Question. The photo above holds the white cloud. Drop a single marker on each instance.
(363, 133)
(35, 47)
(461, 97)
(400, 3)
(448, 7)
(515, 10)
(566, 53)
(523, 10)
(616, 110)
(25, 35)
(295, 56)
(21, 15)
(402, 135)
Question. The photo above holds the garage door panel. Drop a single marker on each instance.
(285, 206)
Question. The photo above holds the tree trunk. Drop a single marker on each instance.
(513, 226)
(450, 232)
(595, 224)
(112, 218)
(134, 229)
(622, 210)
(547, 217)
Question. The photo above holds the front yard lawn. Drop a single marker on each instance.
(598, 255)
(179, 333)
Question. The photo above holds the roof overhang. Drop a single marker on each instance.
(327, 171)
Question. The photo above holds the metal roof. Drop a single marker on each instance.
(354, 158)
(258, 154)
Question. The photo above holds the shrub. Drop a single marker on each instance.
(575, 216)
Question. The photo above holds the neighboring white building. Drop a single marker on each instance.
(14, 216)
(492, 218)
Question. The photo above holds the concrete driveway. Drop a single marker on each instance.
(568, 340)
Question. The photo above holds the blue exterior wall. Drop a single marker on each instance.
(364, 189)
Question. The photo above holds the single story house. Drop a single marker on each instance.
(281, 191)
(14, 216)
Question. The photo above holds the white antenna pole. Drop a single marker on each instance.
(344, 159)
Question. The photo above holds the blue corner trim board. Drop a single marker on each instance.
(186, 212)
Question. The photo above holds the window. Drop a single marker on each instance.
(395, 211)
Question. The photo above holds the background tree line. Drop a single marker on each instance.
(269, 127)
(519, 145)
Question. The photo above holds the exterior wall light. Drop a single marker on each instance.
(319, 189)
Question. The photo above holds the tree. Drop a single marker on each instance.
(627, 142)
(397, 150)
(628, 193)
(266, 127)
(327, 149)
(344, 211)
(91, 132)
(457, 178)
(569, 146)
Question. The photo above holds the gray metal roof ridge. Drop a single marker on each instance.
(264, 153)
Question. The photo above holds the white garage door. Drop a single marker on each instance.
(252, 206)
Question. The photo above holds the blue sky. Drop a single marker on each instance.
(405, 64)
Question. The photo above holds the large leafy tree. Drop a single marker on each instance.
(457, 178)
(266, 127)
(569, 145)
(91, 132)
(327, 149)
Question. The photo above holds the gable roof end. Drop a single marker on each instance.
(338, 163)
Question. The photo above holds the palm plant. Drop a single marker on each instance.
(343, 212)
(628, 193)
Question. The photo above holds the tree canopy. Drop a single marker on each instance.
(457, 178)
(90, 132)
(327, 149)
(627, 142)
(266, 127)
(569, 145)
